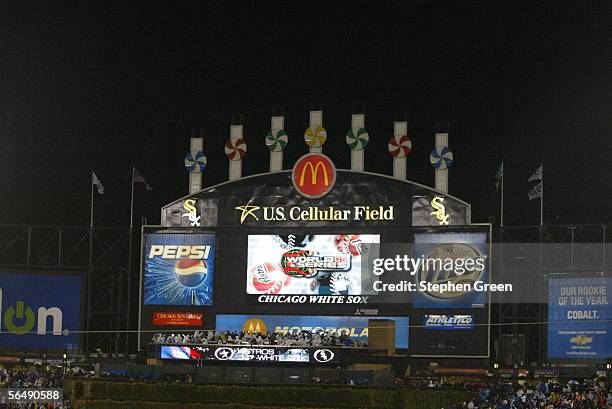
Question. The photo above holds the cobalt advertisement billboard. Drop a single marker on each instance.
(39, 311)
(179, 268)
(579, 311)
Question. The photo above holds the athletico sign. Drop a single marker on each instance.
(448, 321)
(313, 175)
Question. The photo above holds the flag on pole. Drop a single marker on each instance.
(535, 192)
(96, 182)
(537, 175)
(138, 178)
(499, 175)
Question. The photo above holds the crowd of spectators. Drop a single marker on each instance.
(27, 379)
(544, 395)
(289, 338)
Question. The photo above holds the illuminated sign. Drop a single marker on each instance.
(178, 319)
(251, 213)
(313, 175)
(432, 321)
(457, 281)
(356, 328)
(579, 314)
(438, 274)
(39, 311)
(440, 212)
(254, 325)
(192, 213)
(318, 264)
(262, 353)
(179, 268)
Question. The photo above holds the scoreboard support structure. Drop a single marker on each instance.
(277, 123)
(357, 156)
(399, 164)
(316, 119)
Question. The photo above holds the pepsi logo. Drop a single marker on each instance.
(190, 273)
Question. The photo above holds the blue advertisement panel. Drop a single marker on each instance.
(578, 309)
(39, 311)
(179, 268)
(356, 328)
(456, 258)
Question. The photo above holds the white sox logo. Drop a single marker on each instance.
(192, 212)
(323, 355)
(440, 213)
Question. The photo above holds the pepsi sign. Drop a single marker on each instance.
(179, 268)
(463, 321)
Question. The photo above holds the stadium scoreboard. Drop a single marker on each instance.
(263, 251)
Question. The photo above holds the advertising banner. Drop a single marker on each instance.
(463, 321)
(261, 353)
(322, 264)
(355, 328)
(456, 259)
(179, 268)
(579, 311)
(39, 311)
(178, 319)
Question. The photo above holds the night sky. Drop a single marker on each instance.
(90, 86)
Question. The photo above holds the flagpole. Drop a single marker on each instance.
(502, 196)
(90, 267)
(132, 202)
(542, 196)
(92, 201)
(129, 271)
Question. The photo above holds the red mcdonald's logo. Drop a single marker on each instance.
(314, 175)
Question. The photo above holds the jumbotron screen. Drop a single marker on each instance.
(328, 264)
